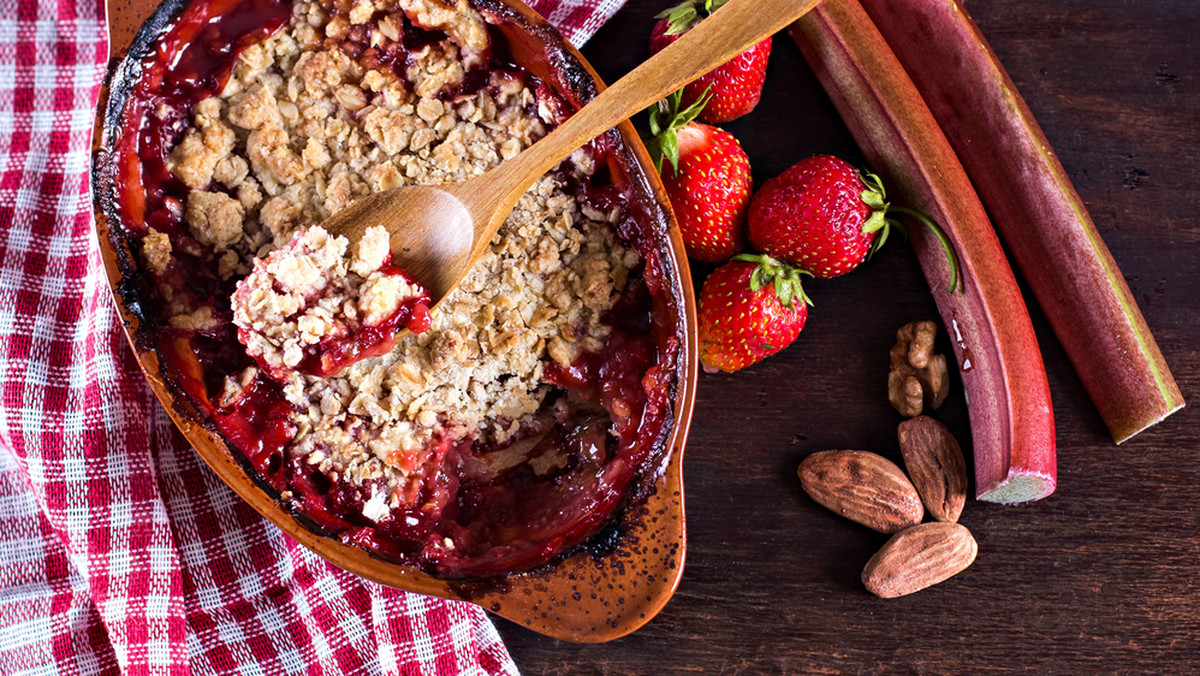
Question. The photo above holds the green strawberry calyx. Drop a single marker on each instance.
(666, 119)
(785, 278)
(881, 222)
(874, 196)
(682, 17)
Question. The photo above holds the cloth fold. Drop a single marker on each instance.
(120, 552)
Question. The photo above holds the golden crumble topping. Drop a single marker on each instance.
(302, 129)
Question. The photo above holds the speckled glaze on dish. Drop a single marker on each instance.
(625, 575)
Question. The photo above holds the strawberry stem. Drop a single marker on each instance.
(947, 247)
(875, 196)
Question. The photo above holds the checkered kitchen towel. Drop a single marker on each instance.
(119, 551)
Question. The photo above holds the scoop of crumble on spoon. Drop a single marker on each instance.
(319, 304)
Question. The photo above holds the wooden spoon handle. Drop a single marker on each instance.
(731, 30)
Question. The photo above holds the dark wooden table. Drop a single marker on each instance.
(1102, 576)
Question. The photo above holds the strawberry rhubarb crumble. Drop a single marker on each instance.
(508, 425)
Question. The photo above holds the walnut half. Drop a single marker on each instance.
(918, 377)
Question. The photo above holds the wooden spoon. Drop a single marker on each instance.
(438, 232)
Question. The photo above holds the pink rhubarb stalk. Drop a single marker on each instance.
(1012, 423)
(1039, 214)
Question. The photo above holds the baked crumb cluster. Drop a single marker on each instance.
(314, 290)
(302, 129)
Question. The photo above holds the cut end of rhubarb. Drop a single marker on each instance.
(1019, 488)
(1123, 434)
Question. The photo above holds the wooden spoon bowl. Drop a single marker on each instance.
(586, 597)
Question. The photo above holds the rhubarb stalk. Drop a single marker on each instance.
(1012, 423)
(1039, 214)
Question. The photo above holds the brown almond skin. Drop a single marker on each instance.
(863, 487)
(935, 462)
(919, 557)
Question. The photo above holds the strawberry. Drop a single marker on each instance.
(735, 86)
(821, 215)
(749, 309)
(708, 180)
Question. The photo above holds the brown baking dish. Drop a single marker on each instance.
(627, 568)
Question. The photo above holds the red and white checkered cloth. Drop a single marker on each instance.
(120, 552)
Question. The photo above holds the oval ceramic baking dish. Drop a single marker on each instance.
(573, 527)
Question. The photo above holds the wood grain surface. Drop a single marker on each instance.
(1103, 576)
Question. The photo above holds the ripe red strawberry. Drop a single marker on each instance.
(736, 86)
(708, 180)
(821, 215)
(749, 309)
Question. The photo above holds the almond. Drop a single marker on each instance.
(935, 462)
(919, 557)
(862, 487)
